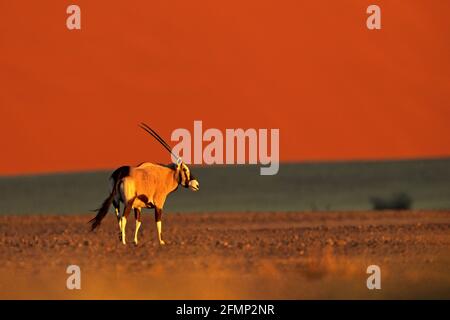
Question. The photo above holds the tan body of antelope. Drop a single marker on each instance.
(144, 186)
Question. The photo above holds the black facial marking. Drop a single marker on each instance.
(186, 179)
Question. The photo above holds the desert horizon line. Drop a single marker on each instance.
(281, 163)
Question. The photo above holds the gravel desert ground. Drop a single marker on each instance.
(275, 255)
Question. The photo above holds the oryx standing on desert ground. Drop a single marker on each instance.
(144, 186)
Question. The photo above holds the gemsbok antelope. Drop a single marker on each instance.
(144, 186)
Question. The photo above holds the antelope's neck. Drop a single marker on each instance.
(176, 178)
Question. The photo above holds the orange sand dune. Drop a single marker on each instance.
(71, 100)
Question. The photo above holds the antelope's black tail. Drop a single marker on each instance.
(101, 213)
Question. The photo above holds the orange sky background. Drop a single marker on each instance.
(71, 100)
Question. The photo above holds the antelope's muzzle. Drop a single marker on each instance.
(194, 185)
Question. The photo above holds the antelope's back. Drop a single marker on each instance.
(150, 178)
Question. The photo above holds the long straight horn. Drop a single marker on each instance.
(155, 135)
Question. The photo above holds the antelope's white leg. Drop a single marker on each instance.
(158, 218)
(123, 223)
(158, 228)
(138, 225)
(118, 218)
(119, 223)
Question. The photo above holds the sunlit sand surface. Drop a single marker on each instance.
(230, 256)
